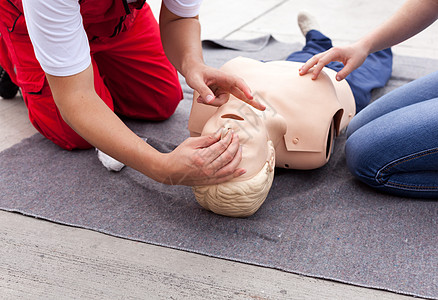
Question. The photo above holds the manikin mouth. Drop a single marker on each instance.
(232, 116)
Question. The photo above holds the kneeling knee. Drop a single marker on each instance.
(359, 157)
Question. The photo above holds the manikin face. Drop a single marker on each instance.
(252, 132)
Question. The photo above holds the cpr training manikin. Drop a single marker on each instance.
(296, 131)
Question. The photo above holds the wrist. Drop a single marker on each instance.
(190, 63)
(158, 167)
(149, 161)
(367, 44)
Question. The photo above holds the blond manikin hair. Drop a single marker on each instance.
(238, 198)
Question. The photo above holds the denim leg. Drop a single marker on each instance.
(373, 73)
(416, 91)
(397, 152)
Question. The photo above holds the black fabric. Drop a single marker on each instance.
(8, 89)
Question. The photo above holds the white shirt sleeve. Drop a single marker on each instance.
(58, 36)
(183, 8)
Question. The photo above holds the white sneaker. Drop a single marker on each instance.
(307, 22)
(108, 162)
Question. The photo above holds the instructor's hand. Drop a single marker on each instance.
(204, 160)
(215, 86)
(351, 56)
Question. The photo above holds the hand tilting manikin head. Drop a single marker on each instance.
(243, 195)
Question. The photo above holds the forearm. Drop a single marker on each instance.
(181, 40)
(96, 123)
(413, 17)
(92, 119)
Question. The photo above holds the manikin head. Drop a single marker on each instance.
(242, 196)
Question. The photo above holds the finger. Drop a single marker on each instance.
(208, 140)
(317, 70)
(210, 181)
(342, 74)
(220, 99)
(243, 92)
(227, 156)
(345, 71)
(212, 161)
(254, 103)
(308, 65)
(231, 167)
(212, 152)
(202, 158)
(322, 62)
(324, 59)
(242, 88)
(228, 172)
(205, 94)
(238, 88)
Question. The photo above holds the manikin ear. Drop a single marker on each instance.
(271, 157)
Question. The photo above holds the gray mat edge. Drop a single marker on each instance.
(399, 292)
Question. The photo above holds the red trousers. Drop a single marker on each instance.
(131, 75)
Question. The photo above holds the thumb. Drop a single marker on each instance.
(208, 140)
(205, 95)
(345, 71)
(352, 64)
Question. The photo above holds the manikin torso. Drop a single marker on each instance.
(302, 115)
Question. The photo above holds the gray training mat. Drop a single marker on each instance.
(321, 223)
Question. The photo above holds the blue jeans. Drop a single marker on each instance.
(373, 73)
(392, 145)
